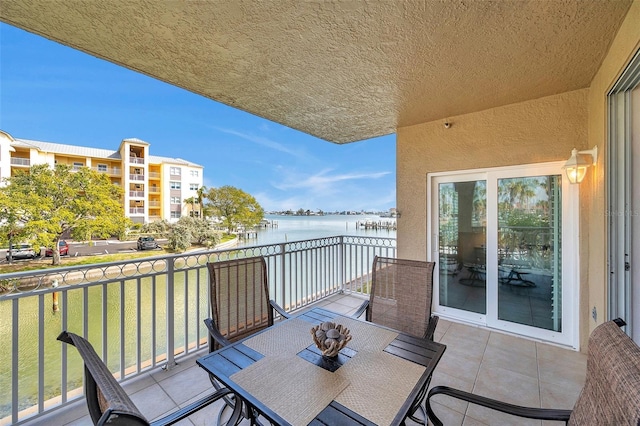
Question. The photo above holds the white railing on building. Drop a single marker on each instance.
(136, 210)
(136, 160)
(135, 176)
(154, 175)
(17, 161)
(114, 171)
(146, 313)
(136, 194)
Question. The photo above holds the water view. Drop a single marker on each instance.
(130, 313)
(295, 228)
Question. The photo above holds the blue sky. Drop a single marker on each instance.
(52, 93)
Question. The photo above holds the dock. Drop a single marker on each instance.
(376, 224)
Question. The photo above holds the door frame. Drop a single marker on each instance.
(570, 274)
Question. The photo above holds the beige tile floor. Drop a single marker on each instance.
(489, 363)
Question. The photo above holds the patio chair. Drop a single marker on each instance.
(240, 305)
(109, 404)
(400, 296)
(610, 396)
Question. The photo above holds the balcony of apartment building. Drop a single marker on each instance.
(154, 189)
(109, 170)
(136, 173)
(136, 191)
(20, 162)
(154, 175)
(136, 207)
(146, 319)
(136, 156)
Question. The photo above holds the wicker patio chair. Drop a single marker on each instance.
(400, 298)
(109, 404)
(610, 396)
(240, 305)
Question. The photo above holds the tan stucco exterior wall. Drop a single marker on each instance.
(536, 131)
(625, 45)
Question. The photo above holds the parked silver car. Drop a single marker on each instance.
(21, 251)
(147, 243)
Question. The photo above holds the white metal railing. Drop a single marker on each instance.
(154, 175)
(17, 161)
(136, 176)
(115, 171)
(136, 210)
(146, 313)
(136, 160)
(138, 194)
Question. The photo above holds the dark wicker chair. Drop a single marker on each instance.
(240, 305)
(400, 296)
(610, 396)
(109, 404)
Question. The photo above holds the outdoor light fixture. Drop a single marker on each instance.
(576, 166)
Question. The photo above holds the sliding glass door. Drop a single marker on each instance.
(499, 237)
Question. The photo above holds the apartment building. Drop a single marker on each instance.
(155, 188)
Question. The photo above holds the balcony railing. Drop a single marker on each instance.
(136, 210)
(154, 175)
(113, 171)
(135, 176)
(146, 313)
(17, 161)
(136, 194)
(136, 160)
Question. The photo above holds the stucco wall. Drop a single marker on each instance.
(626, 43)
(541, 130)
(537, 131)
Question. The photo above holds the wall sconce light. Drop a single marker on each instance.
(576, 166)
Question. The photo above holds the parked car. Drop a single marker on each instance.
(21, 251)
(147, 243)
(62, 246)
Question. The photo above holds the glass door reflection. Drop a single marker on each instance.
(462, 245)
(529, 251)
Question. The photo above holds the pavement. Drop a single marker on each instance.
(95, 247)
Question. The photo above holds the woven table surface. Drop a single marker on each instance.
(298, 390)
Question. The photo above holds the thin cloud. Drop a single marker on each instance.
(323, 179)
(260, 140)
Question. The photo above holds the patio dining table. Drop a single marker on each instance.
(375, 379)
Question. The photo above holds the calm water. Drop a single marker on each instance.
(295, 228)
(290, 228)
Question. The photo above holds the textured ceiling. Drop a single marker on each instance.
(342, 70)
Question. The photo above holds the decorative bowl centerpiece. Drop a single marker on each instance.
(330, 338)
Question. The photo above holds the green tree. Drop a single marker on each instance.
(179, 238)
(201, 195)
(192, 202)
(84, 203)
(12, 217)
(235, 207)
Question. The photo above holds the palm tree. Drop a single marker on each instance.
(191, 201)
(201, 195)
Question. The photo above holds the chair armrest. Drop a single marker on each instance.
(431, 327)
(198, 405)
(516, 410)
(358, 313)
(279, 309)
(215, 333)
